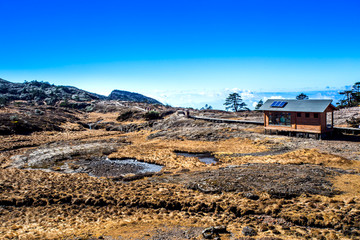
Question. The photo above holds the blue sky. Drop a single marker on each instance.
(185, 53)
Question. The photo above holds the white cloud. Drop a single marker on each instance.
(276, 97)
(247, 95)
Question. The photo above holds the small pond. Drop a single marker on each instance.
(142, 167)
(206, 157)
(106, 167)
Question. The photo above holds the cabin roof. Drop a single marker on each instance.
(292, 105)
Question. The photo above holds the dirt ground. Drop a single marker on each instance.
(60, 183)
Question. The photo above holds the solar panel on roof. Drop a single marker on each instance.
(274, 104)
(282, 104)
(278, 104)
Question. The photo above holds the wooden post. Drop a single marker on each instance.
(332, 119)
(264, 119)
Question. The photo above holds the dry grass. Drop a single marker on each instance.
(349, 184)
(67, 206)
(133, 219)
(301, 156)
(107, 117)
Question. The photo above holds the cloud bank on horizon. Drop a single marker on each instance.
(198, 98)
(216, 98)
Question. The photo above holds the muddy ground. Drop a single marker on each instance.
(65, 181)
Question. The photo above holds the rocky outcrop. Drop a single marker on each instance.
(131, 97)
(45, 156)
(43, 92)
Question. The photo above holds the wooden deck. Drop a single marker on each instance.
(353, 131)
(222, 120)
(289, 129)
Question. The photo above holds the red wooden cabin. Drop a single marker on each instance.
(299, 116)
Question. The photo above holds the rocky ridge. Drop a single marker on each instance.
(45, 93)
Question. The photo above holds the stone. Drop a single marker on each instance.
(248, 231)
(220, 229)
(208, 233)
(39, 112)
(213, 232)
(251, 196)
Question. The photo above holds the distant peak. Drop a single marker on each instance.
(131, 97)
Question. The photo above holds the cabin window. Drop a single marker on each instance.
(307, 115)
(316, 115)
(298, 114)
(280, 119)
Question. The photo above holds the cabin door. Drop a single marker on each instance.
(329, 120)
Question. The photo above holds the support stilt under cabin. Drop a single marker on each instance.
(300, 118)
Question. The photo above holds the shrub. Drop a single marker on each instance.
(354, 122)
(3, 89)
(3, 100)
(65, 103)
(38, 93)
(14, 118)
(40, 84)
(152, 115)
(166, 113)
(125, 116)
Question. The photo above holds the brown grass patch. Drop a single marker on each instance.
(76, 205)
(349, 184)
(301, 156)
(110, 117)
(107, 117)
(255, 129)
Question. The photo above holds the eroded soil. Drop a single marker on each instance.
(61, 184)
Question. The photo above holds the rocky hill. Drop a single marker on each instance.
(131, 97)
(50, 94)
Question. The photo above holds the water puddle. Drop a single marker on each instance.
(143, 167)
(259, 154)
(206, 158)
(106, 167)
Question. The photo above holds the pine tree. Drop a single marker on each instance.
(302, 96)
(234, 102)
(259, 104)
(356, 93)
